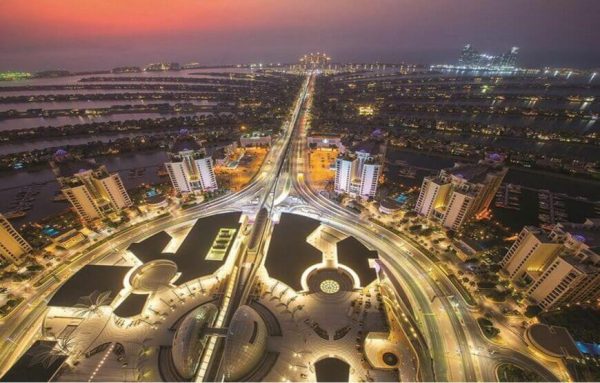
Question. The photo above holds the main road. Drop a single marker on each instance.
(23, 325)
(457, 346)
(459, 349)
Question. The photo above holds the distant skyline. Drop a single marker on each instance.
(101, 34)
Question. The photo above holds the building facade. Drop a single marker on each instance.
(555, 268)
(12, 245)
(473, 59)
(190, 169)
(357, 173)
(95, 193)
(460, 193)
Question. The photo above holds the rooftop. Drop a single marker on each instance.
(31, 367)
(289, 253)
(87, 281)
(190, 257)
(471, 173)
(69, 168)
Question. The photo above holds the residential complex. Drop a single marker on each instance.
(460, 193)
(95, 193)
(357, 171)
(190, 169)
(557, 267)
(12, 245)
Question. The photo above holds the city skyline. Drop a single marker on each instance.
(267, 190)
(96, 35)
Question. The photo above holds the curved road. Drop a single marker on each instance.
(286, 161)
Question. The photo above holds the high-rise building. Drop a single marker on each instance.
(459, 193)
(190, 169)
(314, 61)
(473, 59)
(530, 251)
(12, 245)
(92, 190)
(468, 56)
(357, 171)
(344, 170)
(369, 179)
(96, 193)
(556, 267)
(509, 59)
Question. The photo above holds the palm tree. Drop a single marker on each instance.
(297, 308)
(145, 347)
(293, 298)
(274, 286)
(283, 292)
(66, 345)
(202, 290)
(192, 294)
(47, 353)
(91, 304)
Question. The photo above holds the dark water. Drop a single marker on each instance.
(563, 149)
(43, 206)
(34, 122)
(571, 186)
(22, 107)
(62, 142)
(537, 124)
(193, 73)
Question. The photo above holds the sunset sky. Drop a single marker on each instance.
(98, 34)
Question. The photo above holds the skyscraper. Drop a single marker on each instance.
(473, 59)
(95, 193)
(556, 267)
(459, 193)
(190, 169)
(12, 245)
(344, 169)
(469, 56)
(357, 171)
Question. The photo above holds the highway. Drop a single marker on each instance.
(459, 350)
(22, 326)
(455, 320)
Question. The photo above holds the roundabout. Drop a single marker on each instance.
(329, 286)
(285, 292)
(288, 319)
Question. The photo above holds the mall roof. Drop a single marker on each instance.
(91, 279)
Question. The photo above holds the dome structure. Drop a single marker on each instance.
(153, 276)
(246, 343)
(189, 340)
